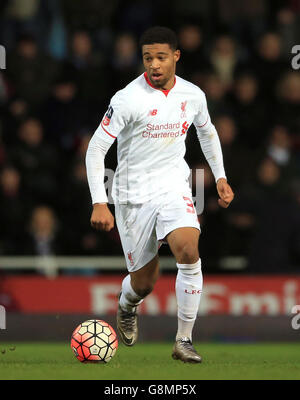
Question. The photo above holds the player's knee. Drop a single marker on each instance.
(144, 288)
(187, 253)
(143, 282)
(143, 285)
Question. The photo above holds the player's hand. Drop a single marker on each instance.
(225, 192)
(102, 218)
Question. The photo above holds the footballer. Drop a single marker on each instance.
(150, 118)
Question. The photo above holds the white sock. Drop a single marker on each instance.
(189, 284)
(129, 300)
(185, 329)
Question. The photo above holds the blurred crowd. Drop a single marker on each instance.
(66, 58)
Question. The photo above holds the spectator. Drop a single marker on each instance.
(31, 72)
(191, 46)
(88, 68)
(249, 111)
(193, 12)
(245, 19)
(63, 114)
(287, 22)
(13, 211)
(136, 15)
(269, 64)
(85, 240)
(44, 236)
(15, 111)
(88, 14)
(125, 63)
(81, 148)
(236, 157)
(19, 17)
(269, 219)
(215, 94)
(279, 149)
(224, 59)
(288, 102)
(40, 19)
(38, 163)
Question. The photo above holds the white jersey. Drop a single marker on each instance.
(151, 127)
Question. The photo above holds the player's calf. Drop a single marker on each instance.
(189, 283)
(126, 314)
(127, 325)
(135, 287)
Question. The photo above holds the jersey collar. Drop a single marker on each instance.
(165, 92)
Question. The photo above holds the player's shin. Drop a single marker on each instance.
(189, 284)
(129, 300)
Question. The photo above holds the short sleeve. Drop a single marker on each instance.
(202, 118)
(115, 119)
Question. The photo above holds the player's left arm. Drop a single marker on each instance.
(211, 147)
(225, 192)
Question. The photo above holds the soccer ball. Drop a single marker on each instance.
(94, 341)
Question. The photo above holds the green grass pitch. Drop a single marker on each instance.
(152, 361)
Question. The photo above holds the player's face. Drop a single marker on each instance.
(160, 63)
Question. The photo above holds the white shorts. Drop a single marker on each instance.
(142, 227)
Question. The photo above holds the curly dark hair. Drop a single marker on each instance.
(159, 34)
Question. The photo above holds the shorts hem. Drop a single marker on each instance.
(136, 267)
(171, 229)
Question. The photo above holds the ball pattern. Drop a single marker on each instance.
(94, 341)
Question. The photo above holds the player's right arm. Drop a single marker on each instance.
(111, 125)
(101, 218)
